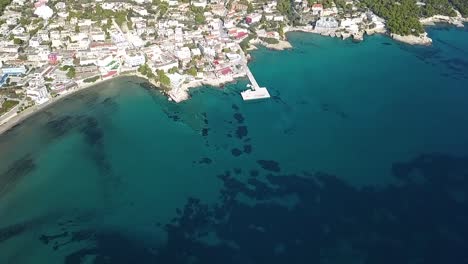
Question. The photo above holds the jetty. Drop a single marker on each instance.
(255, 92)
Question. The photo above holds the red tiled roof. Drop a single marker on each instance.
(99, 44)
(226, 71)
(241, 35)
(109, 74)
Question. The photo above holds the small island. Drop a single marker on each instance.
(50, 49)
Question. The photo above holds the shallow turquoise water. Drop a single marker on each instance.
(120, 159)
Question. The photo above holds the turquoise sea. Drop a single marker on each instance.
(361, 156)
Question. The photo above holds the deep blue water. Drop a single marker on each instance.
(361, 156)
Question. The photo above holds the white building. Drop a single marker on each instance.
(78, 36)
(117, 37)
(136, 40)
(60, 6)
(195, 52)
(278, 18)
(55, 34)
(183, 54)
(330, 11)
(18, 30)
(199, 3)
(87, 61)
(38, 94)
(208, 51)
(134, 59)
(165, 66)
(326, 24)
(108, 6)
(350, 24)
(253, 18)
(104, 61)
(63, 14)
(44, 12)
(97, 36)
(43, 34)
(10, 48)
(176, 79)
(19, 2)
(85, 22)
(57, 43)
(34, 42)
(317, 9)
(80, 45)
(14, 70)
(140, 10)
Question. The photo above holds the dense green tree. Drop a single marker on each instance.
(250, 7)
(144, 70)
(198, 13)
(163, 78)
(18, 41)
(163, 8)
(284, 7)
(199, 18)
(281, 30)
(192, 71)
(461, 5)
(173, 70)
(71, 73)
(437, 7)
(24, 21)
(402, 17)
(120, 17)
(3, 4)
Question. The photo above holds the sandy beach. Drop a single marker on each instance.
(29, 112)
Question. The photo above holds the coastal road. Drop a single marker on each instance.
(10, 114)
(121, 32)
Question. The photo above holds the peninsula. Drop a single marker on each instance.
(49, 49)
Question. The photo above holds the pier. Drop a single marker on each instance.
(255, 92)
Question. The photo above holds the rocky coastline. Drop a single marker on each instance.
(422, 39)
(457, 21)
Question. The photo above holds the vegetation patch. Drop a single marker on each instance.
(402, 17)
(7, 106)
(92, 79)
(270, 40)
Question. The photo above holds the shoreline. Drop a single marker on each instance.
(183, 89)
(182, 93)
(29, 112)
(457, 21)
(422, 40)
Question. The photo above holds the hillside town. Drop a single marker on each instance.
(52, 48)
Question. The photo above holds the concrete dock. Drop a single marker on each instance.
(259, 93)
(255, 92)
